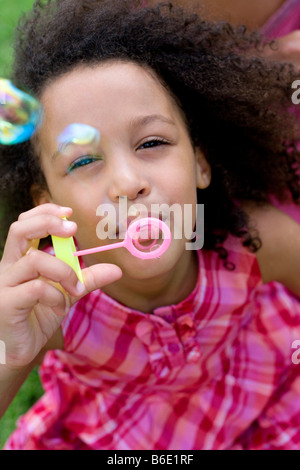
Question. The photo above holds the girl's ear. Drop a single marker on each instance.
(203, 170)
(40, 195)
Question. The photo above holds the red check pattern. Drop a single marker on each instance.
(213, 372)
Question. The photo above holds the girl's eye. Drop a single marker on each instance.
(83, 161)
(153, 143)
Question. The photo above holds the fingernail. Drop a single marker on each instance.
(68, 304)
(67, 308)
(68, 225)
(80, 288)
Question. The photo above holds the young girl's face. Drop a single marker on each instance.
(144, 154)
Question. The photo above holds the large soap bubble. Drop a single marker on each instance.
(20, 114)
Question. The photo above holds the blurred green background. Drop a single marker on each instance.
(10, 12)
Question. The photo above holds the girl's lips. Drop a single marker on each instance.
(122, 228)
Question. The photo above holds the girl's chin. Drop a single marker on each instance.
(136, 266)
(139, 269)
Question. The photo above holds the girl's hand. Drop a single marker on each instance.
(37, 289)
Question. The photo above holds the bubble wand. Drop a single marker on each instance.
(138, 231)
(137, 234)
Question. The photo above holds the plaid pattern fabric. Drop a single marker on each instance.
(213, 372)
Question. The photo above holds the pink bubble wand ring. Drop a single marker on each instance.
(137, 232)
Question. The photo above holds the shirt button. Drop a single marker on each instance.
(173, 348)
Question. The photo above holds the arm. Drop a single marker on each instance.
(10, 382)
(279, 257)
(12, 379)
(36, 291)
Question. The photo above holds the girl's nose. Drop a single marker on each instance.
(128, 179)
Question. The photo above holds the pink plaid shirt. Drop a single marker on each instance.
(213, 372)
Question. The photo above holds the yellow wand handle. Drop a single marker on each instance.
(64, 249)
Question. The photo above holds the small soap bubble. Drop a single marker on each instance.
(78, 134)
(20, 114)
(77, 146)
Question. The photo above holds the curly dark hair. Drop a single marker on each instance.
(237, 103)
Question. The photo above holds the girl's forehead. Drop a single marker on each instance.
(109, 81)
(116, 91)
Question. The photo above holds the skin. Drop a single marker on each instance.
(128, 95)
(36, 292)
(38, 289)
(280, 234)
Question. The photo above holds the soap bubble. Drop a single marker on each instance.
(80, 135)
(77, 147)
(20, 114)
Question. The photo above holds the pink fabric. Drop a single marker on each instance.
(284, 21)
(213, 372)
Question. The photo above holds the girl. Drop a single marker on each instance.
(190, 351)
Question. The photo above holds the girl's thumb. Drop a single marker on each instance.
(95, 277)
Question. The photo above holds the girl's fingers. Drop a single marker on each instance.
(97, 276)
(23, 232)
(49, 208)
(26, 296)
(38, 264)
(39, 269)
(69, 291)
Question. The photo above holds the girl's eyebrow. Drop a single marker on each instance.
(55, 154)
(142, 121)
(58, 152)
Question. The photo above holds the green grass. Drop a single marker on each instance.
(28, 394)
(10, 11)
